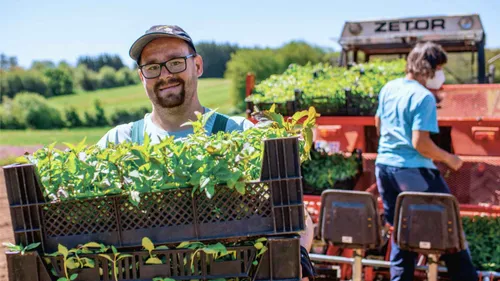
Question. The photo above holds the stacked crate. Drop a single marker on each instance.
(272, 207)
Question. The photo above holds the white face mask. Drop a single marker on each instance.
(436, 82)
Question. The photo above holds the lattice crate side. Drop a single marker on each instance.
(24, 195)
(71, 222)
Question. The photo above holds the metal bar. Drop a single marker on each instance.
(385, 264)
(432, 273)
(357, 268)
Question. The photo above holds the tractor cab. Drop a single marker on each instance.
(396, 37)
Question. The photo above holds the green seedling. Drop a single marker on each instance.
(115, 257)
(20, 248)
(201, 162)
(149, 246)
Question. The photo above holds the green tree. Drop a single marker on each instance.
(107, 77)
(59, 81)
(215, 57)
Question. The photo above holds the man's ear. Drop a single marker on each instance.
(140, 75)
(198, 60)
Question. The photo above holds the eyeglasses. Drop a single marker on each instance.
(175, 65)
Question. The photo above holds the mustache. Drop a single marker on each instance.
(161, 83)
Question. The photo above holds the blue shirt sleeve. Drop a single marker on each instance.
(425, 115)
(380, 102)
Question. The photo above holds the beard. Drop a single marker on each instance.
(170, 98)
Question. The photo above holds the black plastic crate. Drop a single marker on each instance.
(273, 205)
(280, 262)
(353, 104)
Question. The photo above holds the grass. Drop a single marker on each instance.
(213, 93)
(45, 137)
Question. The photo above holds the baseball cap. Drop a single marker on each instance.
(158, 31)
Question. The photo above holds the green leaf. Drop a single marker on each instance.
(115, 251)
(255, 262)
(147, 244)
(262, 251)
(92, 245)
(62, 279)
(32, 246)
(73, 276)
(258, 245)
(240, 187)
(88, 262)
(153, 261)
(106, 257)
(70, 146)
(124, 256)
(184, 245)
(163, 247)
(81, 145)
(62, 250)
(204, 181)
(215, 249)
(72, 263)
(210, 190)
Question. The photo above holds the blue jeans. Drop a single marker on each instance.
(390, 182)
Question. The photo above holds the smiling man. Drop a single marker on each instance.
(169, 68)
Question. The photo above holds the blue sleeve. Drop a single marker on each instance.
(380, 103)
(425, 115)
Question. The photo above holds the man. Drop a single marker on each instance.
(169, 68)
(405, 118)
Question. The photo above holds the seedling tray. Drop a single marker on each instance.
(273, 205)
(280, 262)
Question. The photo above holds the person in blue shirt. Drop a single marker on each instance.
(405, 118)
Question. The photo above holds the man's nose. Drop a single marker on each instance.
(164, 71)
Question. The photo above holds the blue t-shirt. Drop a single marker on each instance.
(404, 106)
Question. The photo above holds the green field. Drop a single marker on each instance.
(213, 93)
(44, 137)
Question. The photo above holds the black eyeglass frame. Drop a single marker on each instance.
(164, 64)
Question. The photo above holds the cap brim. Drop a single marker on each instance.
(139, 44)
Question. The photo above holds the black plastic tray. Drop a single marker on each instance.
(280, 262)
(273, 205)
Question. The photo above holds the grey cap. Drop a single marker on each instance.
(158, 31)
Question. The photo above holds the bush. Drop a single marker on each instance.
(484, 241)
(86, 79)
(35, 82)
(72, 118)
(123, 116)
(261, 62)
(265, 62)
(98, 118)
(60, 81)
(31, 110)
(7, 121)
(125, 76)
(107, 78)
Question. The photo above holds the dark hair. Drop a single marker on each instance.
(191, 51)
(424, 59)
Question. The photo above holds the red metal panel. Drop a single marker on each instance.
(470, 100)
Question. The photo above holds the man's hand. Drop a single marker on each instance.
(454, 162)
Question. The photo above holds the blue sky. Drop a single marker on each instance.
(64, 30)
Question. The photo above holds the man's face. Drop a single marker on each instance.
(170, 90)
